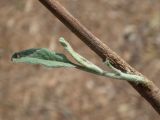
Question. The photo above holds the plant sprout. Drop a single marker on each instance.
(53, 59)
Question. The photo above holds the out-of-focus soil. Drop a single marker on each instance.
(32, 92)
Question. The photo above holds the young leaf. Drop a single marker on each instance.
(42, 56)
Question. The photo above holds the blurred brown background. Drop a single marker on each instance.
(32, 92)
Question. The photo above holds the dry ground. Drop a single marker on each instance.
(130, 27)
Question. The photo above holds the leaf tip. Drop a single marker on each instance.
(63, 42)
(23, 53)
(15, 55)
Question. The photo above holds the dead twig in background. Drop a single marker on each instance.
(147, 89)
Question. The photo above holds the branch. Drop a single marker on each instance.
(146, 89)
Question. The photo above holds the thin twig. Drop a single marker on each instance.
(148, 89)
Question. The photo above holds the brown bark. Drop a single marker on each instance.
(147, 89)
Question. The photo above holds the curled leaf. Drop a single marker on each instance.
(42, 56)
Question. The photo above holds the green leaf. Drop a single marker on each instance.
(42, 56)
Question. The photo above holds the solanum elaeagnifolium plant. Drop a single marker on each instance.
(53, 59)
